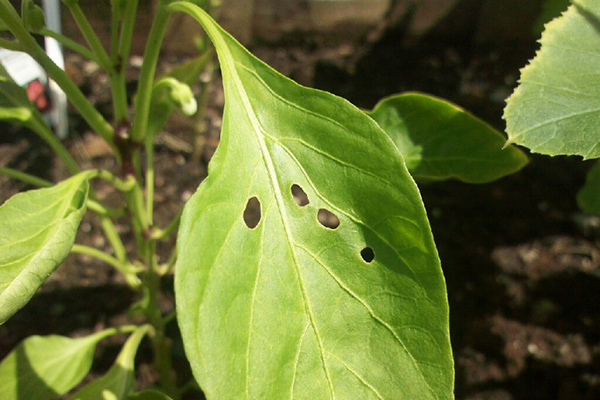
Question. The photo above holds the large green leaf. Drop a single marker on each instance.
(45, 367)
(556, 108)
(284, 307)
(119, 381)
(440, 140)
(37, 231)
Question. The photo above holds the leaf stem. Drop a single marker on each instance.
(25, 177)
(158, 234)
(126, 185)
(39, 126)
(71, 44)
(90, 36)
(128, 270)
(10, 45)
(149, 146)
(113, 238)
(104, 211)
(146, 82)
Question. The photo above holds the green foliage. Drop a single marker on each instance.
(37, 231)
(119, 381)
(263, 310)
(45, 367)
(555, 110)
(439, 140)
(305, 264)
(33, 16)
(551, 10)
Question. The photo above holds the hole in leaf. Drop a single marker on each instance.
(299, 195)
(367, 254)
(252, 213)
(328, 219)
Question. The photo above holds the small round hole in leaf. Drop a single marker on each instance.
(367, 254)
(299, 195)
(252, 213)
(328, 219)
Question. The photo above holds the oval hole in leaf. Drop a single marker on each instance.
(367, 254)
(328, 219)
(252, 213)
(299, 195)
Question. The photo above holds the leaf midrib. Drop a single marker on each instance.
(230, 64)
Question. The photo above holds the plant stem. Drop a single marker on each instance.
(159, 234)
(71, 44)
(10, 45)
(126, 269)
(149, 146)
(39, 126)
(113, 238)
(25, 177)
(104, 211)
(122, 58)
(12, 20)
(90, 36)
(123, 185)
(146, 82)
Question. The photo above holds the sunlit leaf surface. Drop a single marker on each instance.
(556, 108)
(440, 140)
(45, 367)
(119, 381)
(37, 231)
(306, 266)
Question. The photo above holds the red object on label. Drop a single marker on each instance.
(37, 95)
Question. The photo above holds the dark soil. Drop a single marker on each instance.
(522, 264)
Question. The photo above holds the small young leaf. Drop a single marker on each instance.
(186, 74)
(555, 110)
(289, 308)
(45, 367)
(37, 231)
(149, 395)
(33, 16)
(119, 381)
(440, 140)
(588, 197)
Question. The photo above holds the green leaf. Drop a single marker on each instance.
(190, 71)
(551, 10)
(33, 16)
(149, 395)
(556, 108)
(37, 231)
(14, 103)
(45, 367)
(440, 140)
(588, 197)
(119, 381)
(291, 308)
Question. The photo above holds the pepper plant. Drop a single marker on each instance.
(332, 290)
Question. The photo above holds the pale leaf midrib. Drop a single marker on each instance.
(229, 64)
